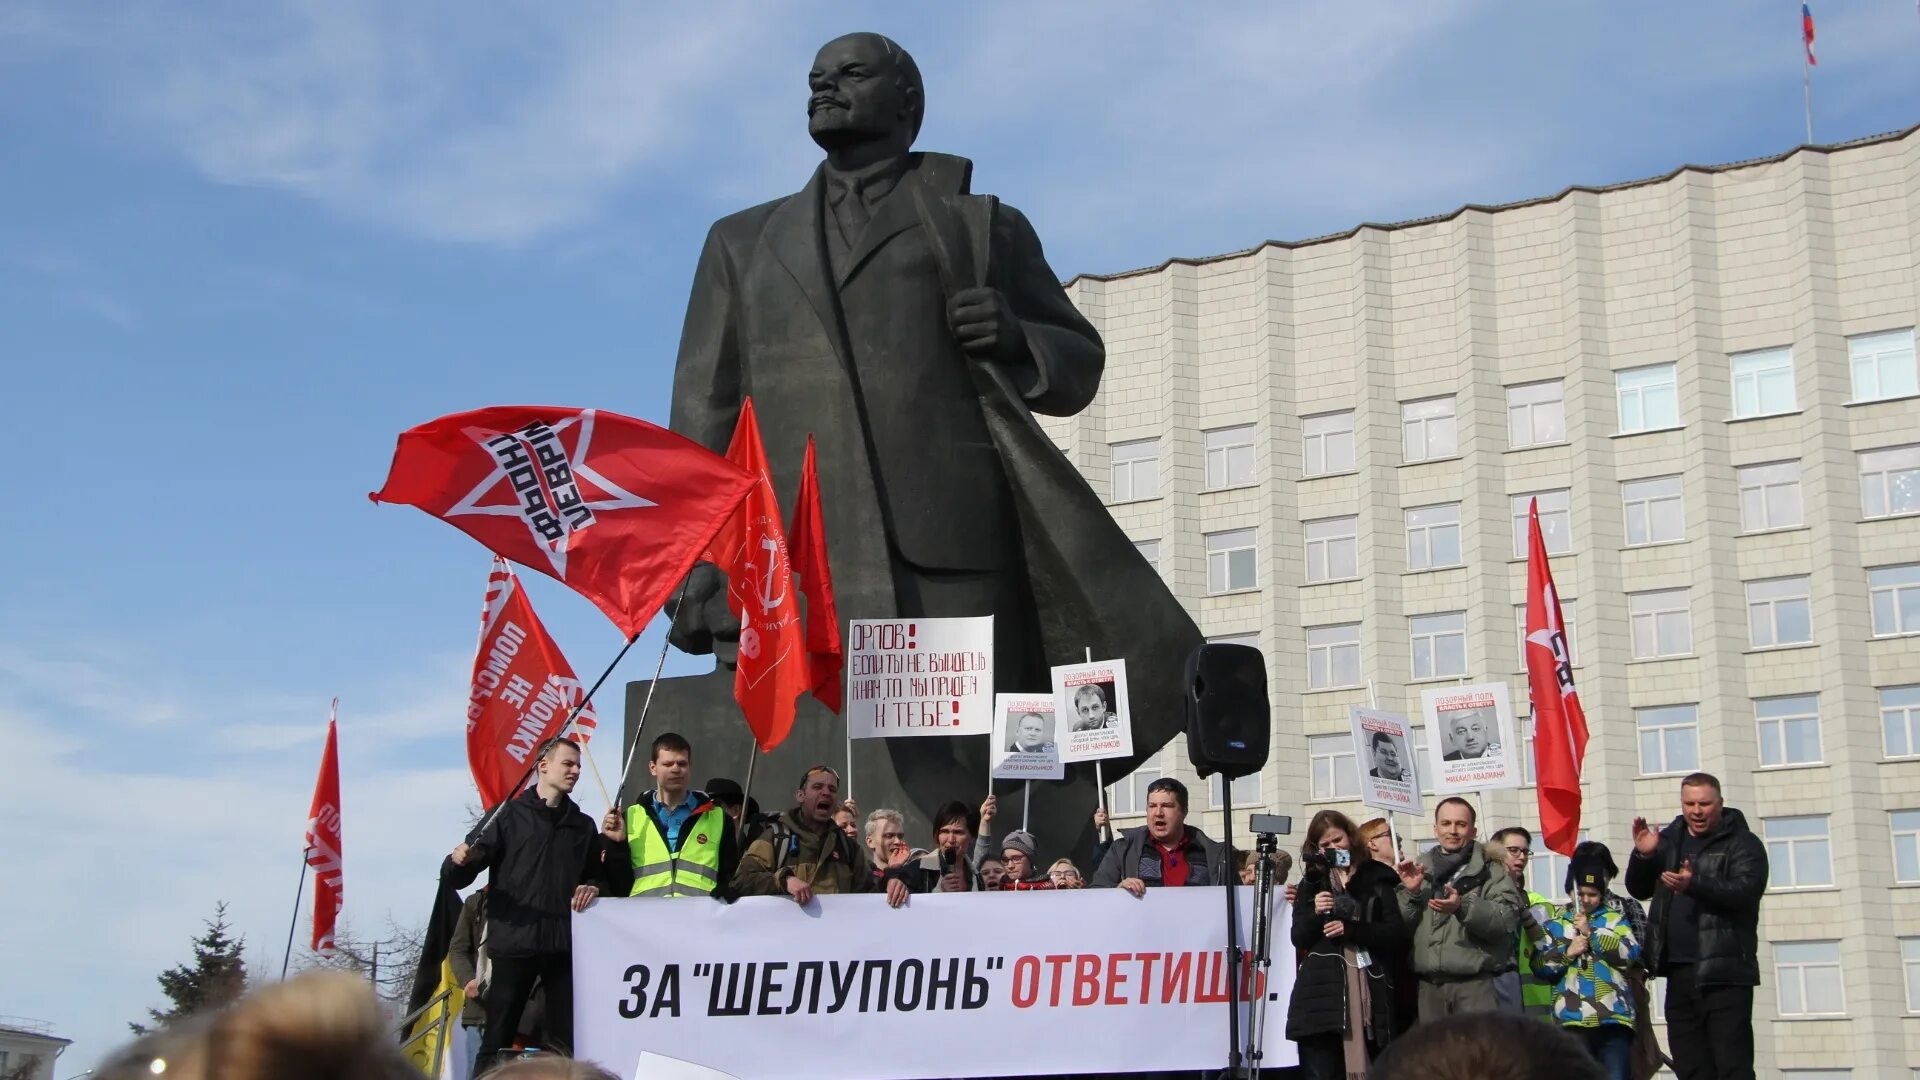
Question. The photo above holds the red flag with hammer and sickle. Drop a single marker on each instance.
(751, 548)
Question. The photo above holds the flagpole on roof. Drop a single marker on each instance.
(1807, 63)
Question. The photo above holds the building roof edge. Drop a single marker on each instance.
(1328, 238)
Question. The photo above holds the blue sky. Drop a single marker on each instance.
(241, 250)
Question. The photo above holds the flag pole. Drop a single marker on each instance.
(294, 923)
(1806, 90)
(568, 726)
(659, 665)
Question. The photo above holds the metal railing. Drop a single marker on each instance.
(27, 1025)
(411, 1042)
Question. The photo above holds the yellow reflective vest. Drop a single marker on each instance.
(659, 870)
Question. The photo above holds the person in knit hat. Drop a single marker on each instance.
(1588, 950)
(1019, 852)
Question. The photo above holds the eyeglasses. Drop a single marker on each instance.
(1520, 851)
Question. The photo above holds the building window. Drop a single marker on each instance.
(1333, 656)
(1129, 795)
(1762, 382)
(1427, 431)
(1569, 617)
(1906, 846)
(1536, 414)
(1433, 537)
(1654, 512)
(1799, 852)
(1333, 549)
(1329, 444)
(1890, 482)
(1900, 720)
(1556, 522)
(1336, 775)
(1669, 739)
(1150, 551)
(1246, 791)
(1136, 470)
(1894, 593)
(1229, 457)
(1883, 365)
(1661, 623)
(1789, 729)
(1420, 769)
(1910, 963)
(1230, 565)
(1648, 400)
(1779, 612)
(1808, 975)
(1770, 497)
(1439, 645)
(1547, 870)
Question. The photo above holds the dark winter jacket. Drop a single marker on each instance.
(536, 856)
(1319, 1005)
(1135, 855)
(1729, 877)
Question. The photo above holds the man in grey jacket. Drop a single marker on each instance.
(1463, 909)
(1166, 851)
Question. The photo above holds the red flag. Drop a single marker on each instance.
(752, 550)
(1806, 33)
(522, 690)
(808, 534)
(323, 839)
(616, 508)
(1559, 723)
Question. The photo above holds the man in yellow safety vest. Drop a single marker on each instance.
(683, 843)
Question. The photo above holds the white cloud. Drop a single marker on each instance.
(495, 130)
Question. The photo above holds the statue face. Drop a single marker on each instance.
(856, 93)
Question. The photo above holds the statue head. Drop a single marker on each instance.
(866, 89)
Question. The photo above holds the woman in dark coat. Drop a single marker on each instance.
(1347, 920)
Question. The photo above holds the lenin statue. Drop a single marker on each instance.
(913, 328)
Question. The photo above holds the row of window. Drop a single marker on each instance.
(1653, 510)
(1787, 729)
(1660, 624)
(1883, 367)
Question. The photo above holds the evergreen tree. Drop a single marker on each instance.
(216, 977)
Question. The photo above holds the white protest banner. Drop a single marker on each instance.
(1065, 982)
(919, 677)
(1471, 744)
(1383, 744)
(1093, 698)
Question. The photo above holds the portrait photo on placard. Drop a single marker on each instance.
(1383, 745)
(1472, 746)
(1024, 741)
(1091, 700)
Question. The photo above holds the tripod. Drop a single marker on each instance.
(1261, 960)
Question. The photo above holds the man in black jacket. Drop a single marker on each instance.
(544, 858)
(1705, 873)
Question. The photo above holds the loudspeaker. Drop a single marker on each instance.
(1229, 720)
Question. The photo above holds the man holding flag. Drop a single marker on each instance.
(544, 858)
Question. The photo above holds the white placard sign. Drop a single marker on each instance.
(1470, 745)
(1383, 747)
(947, 985)
(1091, 700)
(1026, 743)
(919, 677)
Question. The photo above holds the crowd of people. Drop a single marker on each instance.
(1429, 959)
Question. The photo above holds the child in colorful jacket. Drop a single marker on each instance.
(1587, 950)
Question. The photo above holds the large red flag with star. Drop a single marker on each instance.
(616, 508)
(523, 690)
(807, 533)
(752, 550)
(323, 840)
(1559, 723)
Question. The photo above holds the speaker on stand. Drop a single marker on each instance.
(1229, 729)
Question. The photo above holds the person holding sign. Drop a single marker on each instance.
(1463, 909)
(1166, 851)
(803, 852)
(1347, 920)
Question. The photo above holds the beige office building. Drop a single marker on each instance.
(1708, 380)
